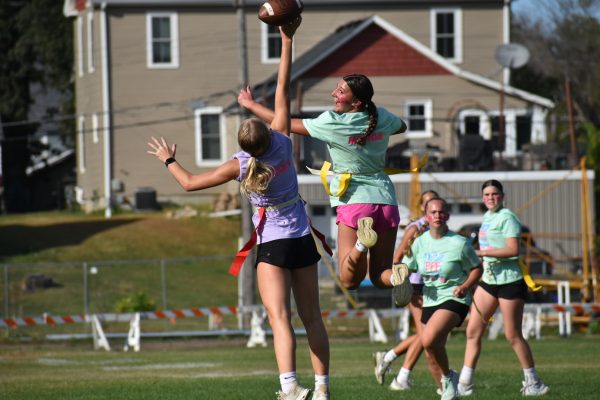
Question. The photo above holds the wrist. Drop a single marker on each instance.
(168, 161)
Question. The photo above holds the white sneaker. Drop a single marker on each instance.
(449, 384)
(365, 233)
(381, 366)
(465, 389)
(321, 393)
(534, 388)
(297, 393)
(400, 385)
(399, 274)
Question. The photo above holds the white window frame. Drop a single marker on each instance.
(458, 32)
(90, 42)
(200, 161)
(80, 45)
(264, 46)
(81, 143)
(174, 24)
(95, 128)
(428, 106)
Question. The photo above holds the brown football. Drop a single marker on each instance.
(280, 12)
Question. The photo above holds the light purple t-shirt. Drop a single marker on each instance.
(416, 278)
(287, 222)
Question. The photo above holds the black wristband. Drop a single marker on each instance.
(169, 161)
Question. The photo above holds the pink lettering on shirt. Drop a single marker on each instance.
(284, 166)
(374, 137)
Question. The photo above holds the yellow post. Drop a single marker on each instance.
(415, 189)
(584, 232)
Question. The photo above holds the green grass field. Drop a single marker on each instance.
(226, 369)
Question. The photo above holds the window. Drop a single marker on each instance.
(95, 127)
(210, 143)
(446, 33)
(81, 143)
(90, 42)
(162, 40)
(271, 44)
(418, 118)
(80, 45)
(523, 130)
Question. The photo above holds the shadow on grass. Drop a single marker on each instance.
(21, 239)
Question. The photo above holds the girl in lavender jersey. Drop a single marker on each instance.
(412, 345)
(287, 256)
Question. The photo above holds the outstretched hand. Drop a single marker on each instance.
(245, 97)
(290, 29)
(161, 149)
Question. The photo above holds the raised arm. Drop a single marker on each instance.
(406, 238)
(188, 181)
(281, 117)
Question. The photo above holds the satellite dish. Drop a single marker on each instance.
(512, 55)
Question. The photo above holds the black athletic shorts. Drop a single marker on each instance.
(459, 308)
(417, 289)
(509, 291)
(289, 253)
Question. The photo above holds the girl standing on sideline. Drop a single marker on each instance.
(502, 285)
(287, 256)
(412, 345)
(449, 268)
(357, 135)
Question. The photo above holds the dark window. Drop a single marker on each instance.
(273, 42)
(416, 117)
(445, 34)
(523, 130)
(161, 40)
(211, 136)
(472, 125)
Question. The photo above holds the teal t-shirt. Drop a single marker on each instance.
(369, 184)
(495, 228)
(444, 264)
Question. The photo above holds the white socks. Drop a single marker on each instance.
(321, 380)
(361, 247)
(531, 374)
(288, 380)
(403, 375)
(390, 356)
(466, 375)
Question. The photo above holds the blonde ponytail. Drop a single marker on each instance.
(258, 176)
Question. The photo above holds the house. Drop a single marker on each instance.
(172, 68)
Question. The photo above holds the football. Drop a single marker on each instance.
(280, 12)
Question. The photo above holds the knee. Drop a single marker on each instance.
(473, 333)
(349, 284)
(513, 338)
(278, 315)
(310, 318)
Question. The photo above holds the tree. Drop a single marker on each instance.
(36, 46)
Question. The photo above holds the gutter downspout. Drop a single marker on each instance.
(506, 37)
(106, 112)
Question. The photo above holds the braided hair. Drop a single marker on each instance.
(362, 89)
(255, 138)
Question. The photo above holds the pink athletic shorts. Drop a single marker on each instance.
(384, 216)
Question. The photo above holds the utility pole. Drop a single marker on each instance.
(573, 154)
(246, 280)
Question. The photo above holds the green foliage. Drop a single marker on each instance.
(134, 303)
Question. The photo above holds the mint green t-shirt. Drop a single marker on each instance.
(444, 264)
(495, 228)
(369, 184)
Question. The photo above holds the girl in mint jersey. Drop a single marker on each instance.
(286, 255)
(502, 285)
(450, 268)
(357, 134)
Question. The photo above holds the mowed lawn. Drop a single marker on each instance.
(226, 369)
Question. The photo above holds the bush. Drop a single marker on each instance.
(134, 303)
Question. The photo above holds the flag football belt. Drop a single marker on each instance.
(345, 176)
(529, 281)
(242, 254)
